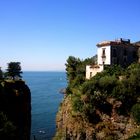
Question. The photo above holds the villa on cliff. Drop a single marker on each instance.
(121, 52)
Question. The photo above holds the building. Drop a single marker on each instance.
(121, 52)
(138, 45)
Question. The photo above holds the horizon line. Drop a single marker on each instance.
(44, 71)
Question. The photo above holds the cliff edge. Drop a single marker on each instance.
(73, 126)
(15, 104)
(106, 107)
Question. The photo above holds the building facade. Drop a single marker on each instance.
(120, 52)
(92, 70)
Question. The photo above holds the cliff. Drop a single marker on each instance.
(70, 125)
(73, 126)
(15, 103)
(106, 107)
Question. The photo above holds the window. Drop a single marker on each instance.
(134, 55)
(115, 60)
(90, 74)
(125, 59)
(125, 52)
(103, 53)
(114, 52)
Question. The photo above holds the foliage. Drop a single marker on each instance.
(1, 74)
(113, 70)
(76, 70)
(107, 83)
(76, 67)
(14, 70)
(88, 96)
(7, 129)
(135, 111)
(135, 137)
(71, 66)
(77, 103)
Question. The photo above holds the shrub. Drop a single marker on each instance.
(135, 137)
(77, 104)
(7, 129)
(135, 111)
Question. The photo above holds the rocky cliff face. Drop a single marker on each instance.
(70, 125)
(15, 103)
(73, 126)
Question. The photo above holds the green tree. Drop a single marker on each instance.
(14, 70)
(135, 111)
(76, 71)
(71, 67)
(1, 74)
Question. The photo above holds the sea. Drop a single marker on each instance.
(45, 100)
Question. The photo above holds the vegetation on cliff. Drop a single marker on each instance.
(15, 105)
(106, 107)
(7, 129)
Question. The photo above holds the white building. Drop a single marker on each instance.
(120, 52)
(92, 70)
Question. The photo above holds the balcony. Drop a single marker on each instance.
(103, 56)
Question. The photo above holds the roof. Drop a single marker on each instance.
(137, 44)
(95, 66)
(104, 43)
(117, 42)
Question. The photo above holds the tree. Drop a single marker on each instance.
(71, 66)
(14, 70)
(1, 74)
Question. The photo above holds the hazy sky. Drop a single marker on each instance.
(41, 34)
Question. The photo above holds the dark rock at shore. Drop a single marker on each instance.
(63, 91)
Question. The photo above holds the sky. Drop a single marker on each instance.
(42, 34)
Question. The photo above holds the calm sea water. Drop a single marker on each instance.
(46, 98)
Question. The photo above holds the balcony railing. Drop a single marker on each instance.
(103, 56)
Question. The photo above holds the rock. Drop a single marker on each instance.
(63, 91)
(15, 102)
